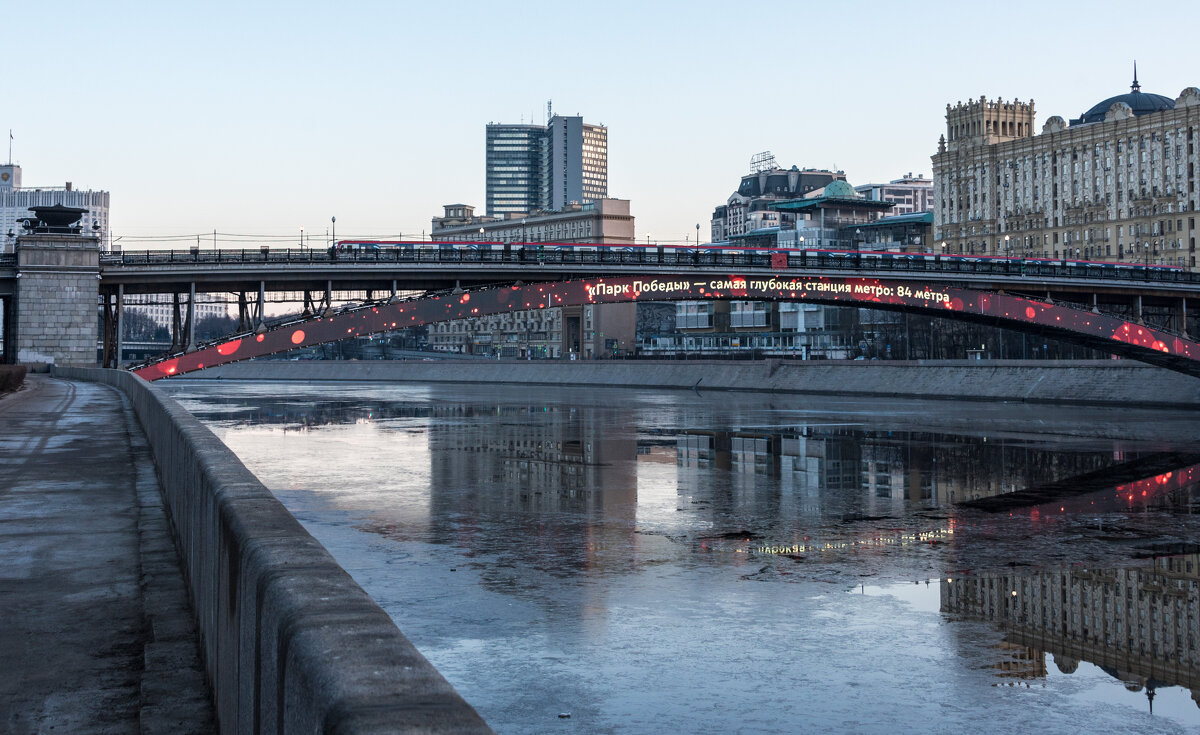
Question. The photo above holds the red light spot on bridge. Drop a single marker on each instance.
(1030, 312)
(297, 336)
(259, 338)
(229, 347)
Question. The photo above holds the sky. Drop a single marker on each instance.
(266, 118)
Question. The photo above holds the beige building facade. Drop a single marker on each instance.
(1117, 184)
(585, 332)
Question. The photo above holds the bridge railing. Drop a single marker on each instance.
(794, 260)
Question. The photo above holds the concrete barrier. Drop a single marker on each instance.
(1093, 382)
(291, 643)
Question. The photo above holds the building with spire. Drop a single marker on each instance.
(1116, 184)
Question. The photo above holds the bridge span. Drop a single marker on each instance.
(1116, 335)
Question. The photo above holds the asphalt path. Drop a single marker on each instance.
(96, 630)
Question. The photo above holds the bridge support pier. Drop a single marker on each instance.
(1137, 309)
(243, 313)
(189, 327)
(57, 290)
(1182, 316)
(260, 310)
(6, 322)
(176, 322)
(119, 326)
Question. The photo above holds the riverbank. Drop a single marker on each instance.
(1094, 382)
(290, 643)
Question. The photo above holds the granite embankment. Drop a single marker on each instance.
(290, 642)
(1095, 382)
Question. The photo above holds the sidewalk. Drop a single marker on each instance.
(97, 633)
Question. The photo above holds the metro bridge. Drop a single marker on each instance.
(1136, 312)
(1139, 313)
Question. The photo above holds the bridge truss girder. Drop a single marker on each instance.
(1115, 335)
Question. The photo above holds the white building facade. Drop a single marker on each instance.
(910, 194)
(15, 201)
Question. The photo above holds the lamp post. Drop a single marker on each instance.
(697, 233)
(333, 221)
(857, 247)
(1007, 247)
(302, 238)
(481, 234)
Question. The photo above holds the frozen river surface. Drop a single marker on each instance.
(624, 561)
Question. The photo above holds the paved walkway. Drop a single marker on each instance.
(96, 634)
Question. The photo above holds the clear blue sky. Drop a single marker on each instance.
(265, 118)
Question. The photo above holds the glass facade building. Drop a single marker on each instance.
(536, 167)
(514, 168)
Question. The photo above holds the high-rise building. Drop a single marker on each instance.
(1116, 184)
(15, 201)
(513, 161)
(577, 158)
(545, 167)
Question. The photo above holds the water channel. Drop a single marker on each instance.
(624, 561)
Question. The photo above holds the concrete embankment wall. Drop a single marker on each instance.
(291, 643)
(1097, 382)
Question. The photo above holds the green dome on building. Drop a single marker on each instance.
(840, 190)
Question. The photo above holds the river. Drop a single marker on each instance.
(623, 561)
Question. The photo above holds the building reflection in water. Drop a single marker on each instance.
(1141, 625)
(893, 468)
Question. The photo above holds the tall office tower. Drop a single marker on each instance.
(514, 172)
(535, 167)
(577, 163)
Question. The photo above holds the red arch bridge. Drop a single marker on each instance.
(1067, 322)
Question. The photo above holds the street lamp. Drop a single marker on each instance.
(301, 238)
(481, 234)
(697, 233)
(857, 246)
(333, 221)
(647, 238)
(1007, 248)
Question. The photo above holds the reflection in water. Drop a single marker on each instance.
(1141, 625)
(625, 555)
(938, 469)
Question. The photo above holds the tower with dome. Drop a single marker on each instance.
(1116, 184)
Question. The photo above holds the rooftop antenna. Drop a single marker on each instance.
(1135, 87)
(764, 161)
(10, 146)
(549, 110)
